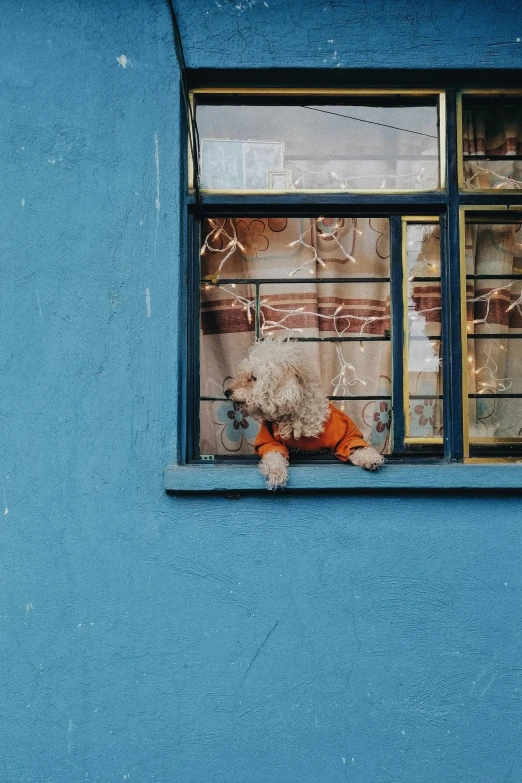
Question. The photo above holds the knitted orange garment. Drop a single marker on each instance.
(340, 436)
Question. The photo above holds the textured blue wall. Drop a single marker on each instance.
(262, 640)
(352, 33)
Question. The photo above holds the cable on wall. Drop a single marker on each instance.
(193, 128)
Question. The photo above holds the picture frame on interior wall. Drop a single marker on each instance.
(279, 180)
(260, 157)
(221, 161)
(236, 164)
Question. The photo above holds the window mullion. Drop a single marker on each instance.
(451, 304)
(397, 332)
(192, 340)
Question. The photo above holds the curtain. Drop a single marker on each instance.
(491, 130)
(494, 317)
(304, 254)
(424, 360)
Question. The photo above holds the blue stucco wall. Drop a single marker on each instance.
(200, 639)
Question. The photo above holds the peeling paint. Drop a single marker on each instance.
(122, 60)
(147, 301)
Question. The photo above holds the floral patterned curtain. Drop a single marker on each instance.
(494, 319)
(299, 256)
(424, 359)
(487, 131)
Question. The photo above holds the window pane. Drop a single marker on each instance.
(295, 248)
(351, 144)
(226, 430)
(424, 347)
(340, 312)
(227, 332)
(324, 309)
(494, 329)
(492, 143)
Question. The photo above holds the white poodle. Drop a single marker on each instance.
(277, 384)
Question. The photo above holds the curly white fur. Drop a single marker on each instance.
(367, 458)
(277, 384)
(274, 467)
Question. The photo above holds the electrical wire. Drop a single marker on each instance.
(194, 133)
(194, 140)
(369, 122)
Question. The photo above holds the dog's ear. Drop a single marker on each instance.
(290, 394)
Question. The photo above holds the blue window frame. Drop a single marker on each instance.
(453, 206)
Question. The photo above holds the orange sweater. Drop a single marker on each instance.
(340, 436)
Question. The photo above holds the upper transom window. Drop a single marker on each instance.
(387, 142)
(491, 138)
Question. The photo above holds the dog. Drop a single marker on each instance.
(277, 385)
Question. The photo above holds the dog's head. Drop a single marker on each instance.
(271, 381)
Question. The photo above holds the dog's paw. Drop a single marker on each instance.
(367, 458)
(274, 467)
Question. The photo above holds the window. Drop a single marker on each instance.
(380, 229)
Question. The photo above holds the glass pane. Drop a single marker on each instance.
(424, 354)
(269, 248)
(424, 388)
(345, 371)
(495, 419)
(225, 429)
(494, 328)
(373, 418)
(492, 143)
(305, 144)
(324, 309)
(226, 334)
(492, 365)
(340, 313)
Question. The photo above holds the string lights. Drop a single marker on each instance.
(218, 229)
(490, 367)
(347, 378)
(310, 262)
(273, 318)
(336, 181)
(504, 182)
(417, 249)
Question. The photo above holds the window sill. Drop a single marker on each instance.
(212, 478)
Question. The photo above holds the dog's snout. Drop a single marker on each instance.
(228, 392)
